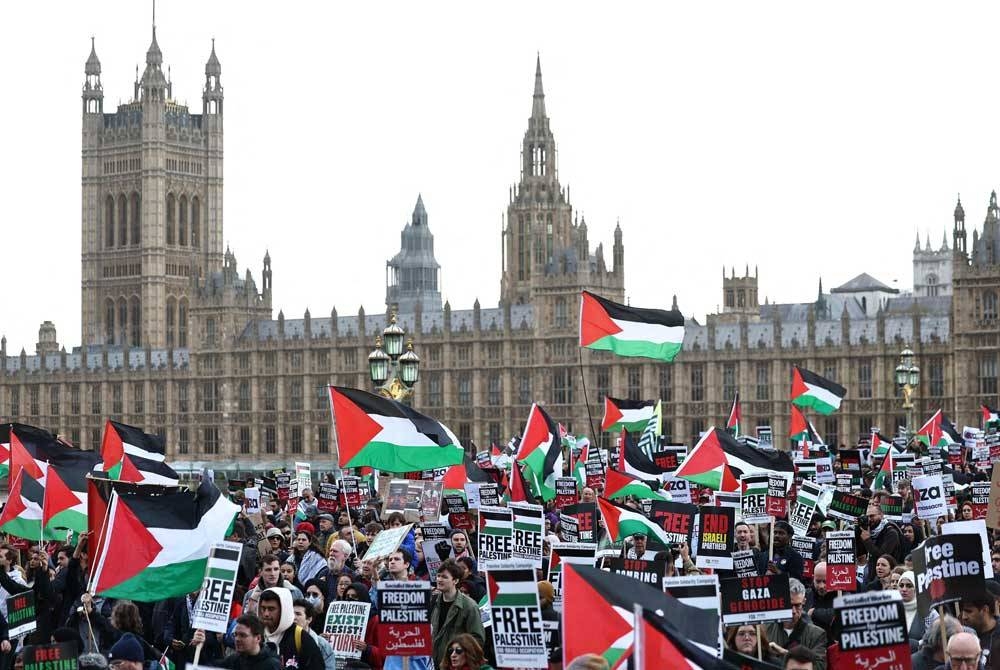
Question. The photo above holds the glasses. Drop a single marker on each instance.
(964, 661)
(797, 606)
(456, 650)
(747, 633)
(289, 534)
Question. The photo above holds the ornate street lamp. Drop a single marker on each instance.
(907, 379)
(393, 372)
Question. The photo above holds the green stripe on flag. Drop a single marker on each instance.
(176, 579)
(499, 532)
(515, 600)
(527, 526)
(222, 573)
(665, 351)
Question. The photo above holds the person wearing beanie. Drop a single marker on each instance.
(784, 558)
(127, 653)
(306, 556)
(551, 621)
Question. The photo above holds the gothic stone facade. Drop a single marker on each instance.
(175, 340)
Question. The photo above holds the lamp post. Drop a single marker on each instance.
(907, 380)
(393, 371)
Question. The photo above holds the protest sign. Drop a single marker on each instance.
(850, 460)
(892, 507)
(716, 526)
(932, 466)
(980, 499)
(948, 480)
(805, 546)
(669, 456)
(993, 513)
(948, 568)
(489, 495)
(677, 519)
(743, 563)
(699, 591)
(395, 497)
(284, 485)
(569, 527)
(841, 563)
(679, 489)
(351, 488)
(516, 618)
(303, 473)
(929, 497)
(346, 621)
(805, 470)
(386, 542)
(528, 529)
(436, 546)
(483, 460)
(21, 615)
(777, 495)
(755, 599)
(647, 572)
(728, 499)
(565, 492)
(753, 493)
(955, 455)
(567, 553)
(404, 610)
(430, 501)
(973, 527)
(211, 610)
(870, 629)
(842, 481)
(804, 507)
(251, 501)
(847, 506)
(269, 486)
(586, 520)
(326, 497)
(495, 530)
(57, 656)
(824, 470)
(595, 467)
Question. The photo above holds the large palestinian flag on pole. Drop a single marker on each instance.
(623, 522)
(718, 461)
(389, 435)
(658, 644)
(155, 542)
(629, 331)
(735, 416)
(626, 414)
(66, 488)
(811, 390)
(22, 515)
(598, 618)
(540, 451)
(131, 455)
(934, 434)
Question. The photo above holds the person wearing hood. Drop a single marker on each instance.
(460, 544)
(916, 625)
(251, 652)
(295, 646)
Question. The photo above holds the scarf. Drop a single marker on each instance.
(879, 528)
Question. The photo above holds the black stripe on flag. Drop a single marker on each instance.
(641, 314)
(225, 554)
(515, 575)
(812, 379)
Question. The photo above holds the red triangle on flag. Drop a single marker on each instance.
(355, 428)
(4, 453)
(492, 585)
(112, 448)
(519, 490)
(798, 422)
(595, 324)
(20, 458)
(58, 497)
(129, 473)
(536, 433)
(15, 506)
(612, 414)
(799, 387)
(591, 625)
(127, 540)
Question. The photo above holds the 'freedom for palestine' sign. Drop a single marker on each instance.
(869, 628)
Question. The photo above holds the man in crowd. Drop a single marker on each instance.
(744, 536)
(307, 507)
(251, 653)
(269, 576)
(932, 653)
(785, 558)
(964, 652)
(588, 495)
(452, 612)
(126, 654)
(398, 565)
(799, 658)
(304, 614)
(325, 532)
(819, 601)
(460, 544)
(977, 614)
(296, 648)
(882, 536)
(784, 635)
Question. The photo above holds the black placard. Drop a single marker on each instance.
(716, 528)
(847, 506)
(743, 563)
(586, 521)
(647, 572)
(677, 519)
(755, 599)
(948, 568)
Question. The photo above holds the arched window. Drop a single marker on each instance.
(182, 221)
(171, 217)
(989, 305)
(109, 321)
(109, 222)
(195, 221)
(182, 322)
(135, 219)
(171, 321)
(122, 324)
(122, 220)
(135, 321)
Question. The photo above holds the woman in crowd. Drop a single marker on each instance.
(306, 556)
(313, 592)
(463, 653)
(371, 650)
(288, 574)
(881, 579)
(916, 625)
(748, 639)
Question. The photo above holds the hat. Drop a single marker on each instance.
(321, 517)
(305, 527)
(785, 526)
(273, 532)
(127, 648)
(636, 536)
(829, 524)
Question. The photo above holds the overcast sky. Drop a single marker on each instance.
(808, 140)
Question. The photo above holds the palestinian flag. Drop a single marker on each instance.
(883, 478)
(948, 428)
(619, 485)
(457, 476)
(598, 617)
(735, 417)
(811, 390)
(718, 461)
(4, 450)
(990, 415)
(497, 521)
(389, 435)
(22, 515)
(623, 522)
(623, 414)
(165, 663)
(541, 453)
(798, 428)
(930, 433)
(519, 489)
(629, 331)
(880, 446)
(131, 455)
(155, 542)
(632, 461)
(66, 487)
(512, 588)
(658, 644)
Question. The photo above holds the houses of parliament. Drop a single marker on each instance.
(176, 340)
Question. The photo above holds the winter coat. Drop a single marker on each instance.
(805, 634)
(463, 617)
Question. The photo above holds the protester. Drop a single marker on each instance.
(268, 577)
(784, 558)
(251, 652)
(295, 646)
(979, 614)
(452, 612)
(180, 635)
(314, 595)
(551, 621)
(932, 653)
(304, 615)
(881, 536)
(819, 601)
(880, 579)
(916, 625)
(126, 654)
(463, 652)
(748, 639)
(306, 556)
(460, 545)
(963, 651)
(371, 650)
(796, 631)
(800, 658)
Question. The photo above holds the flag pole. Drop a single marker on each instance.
(586, 398)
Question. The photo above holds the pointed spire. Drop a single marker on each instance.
(916, 246)
(213, 66)
(819, 294)
(927, 247)
(419, 212)
(944, 240)
(93, 62)
(673, 305)
(959, 210)
(153, 55)
(538, 101)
